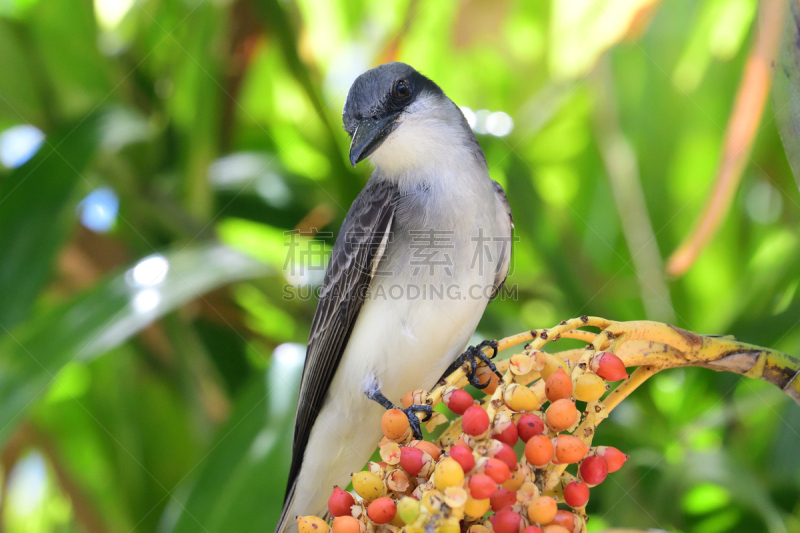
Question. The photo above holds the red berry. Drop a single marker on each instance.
(503, 498)
(497, 470)
(340, 502)
(411, 460)
(510, 435)
(475, 421)
(613, 457)
(507, 455)
(382, 510)
(609, 367)
(593, 470)
(506, 521)
(481, 486)
(576, 494)
(463, 456)
(533, 529)
(528, 426)
(459, 401)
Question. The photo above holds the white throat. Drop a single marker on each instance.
(431, 137)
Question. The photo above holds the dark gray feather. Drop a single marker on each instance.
(343, 291)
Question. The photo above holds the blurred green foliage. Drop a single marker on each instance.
(151, 320)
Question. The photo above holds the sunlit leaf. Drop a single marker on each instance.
(32, 356)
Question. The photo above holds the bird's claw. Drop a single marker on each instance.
(375, 394)
(472, 355)
(413, 418)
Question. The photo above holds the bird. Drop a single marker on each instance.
(422, 250)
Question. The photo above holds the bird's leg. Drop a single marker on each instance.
(374, 393)
(472, 355)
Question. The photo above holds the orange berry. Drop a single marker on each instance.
(497, 470)
(539, 450)
(533, 529)
(561, 415)
(516, 480)
(429, 448)
(394, 424)
(558, 386)
(382, 510)
(346, 524)
(484, 375)
(475, 509)
(543, 510)
(569, 449)
(555, 528)
(613, 457)
(408, 399)
(565, 519)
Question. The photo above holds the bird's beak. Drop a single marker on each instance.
(369, 135)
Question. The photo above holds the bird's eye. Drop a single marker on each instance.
(401, 89)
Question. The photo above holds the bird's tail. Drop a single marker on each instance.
(286, 521)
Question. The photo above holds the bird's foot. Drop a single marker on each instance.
(471, 356)
(376, 395)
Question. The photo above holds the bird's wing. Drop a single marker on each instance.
(504, 220)
(355, 254)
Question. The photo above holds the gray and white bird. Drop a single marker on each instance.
(423, 249)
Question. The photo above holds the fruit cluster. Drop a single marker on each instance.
(472, 479)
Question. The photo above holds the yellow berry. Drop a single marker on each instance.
(515, 481)
(476, 508)
(449, 525)
(368, 485)
(408, 509)
(520, 398)
(589, 387)
(312, 524)
(553, 363)
(448, 473)
(432, 501)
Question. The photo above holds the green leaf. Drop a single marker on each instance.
(37, 207)
(240, 484)
(32, 356)
(786, 89)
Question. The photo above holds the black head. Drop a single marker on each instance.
(374, 102)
